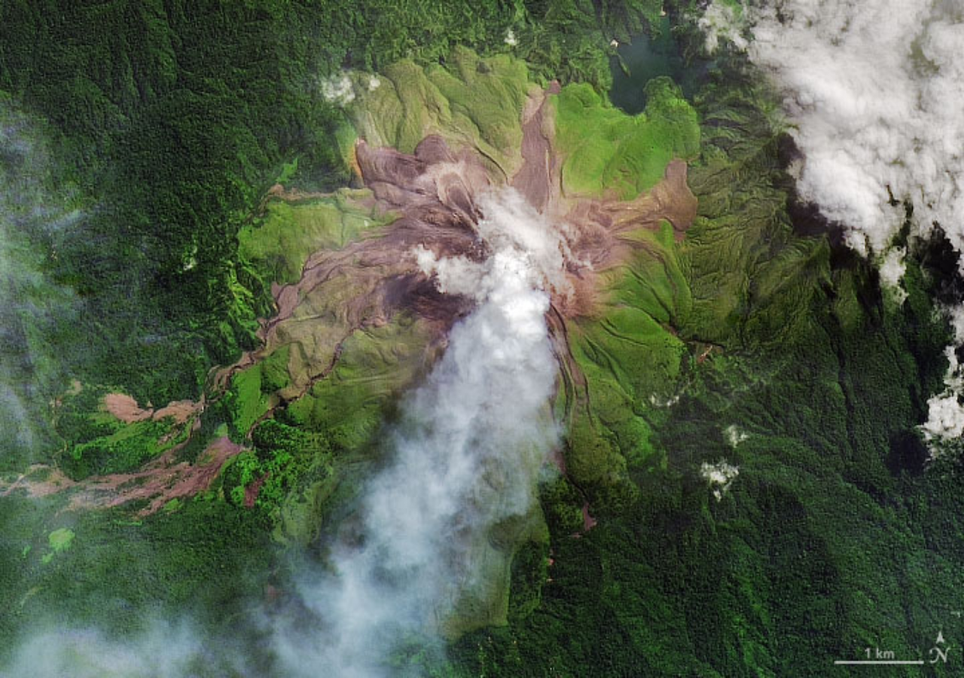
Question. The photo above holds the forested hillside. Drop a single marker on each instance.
(739, 486)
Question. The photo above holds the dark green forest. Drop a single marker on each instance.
(155, 129)
(173, 118)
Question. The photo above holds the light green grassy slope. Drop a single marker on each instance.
(606, 152)
(470, 101)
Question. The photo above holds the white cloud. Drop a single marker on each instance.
(466, 456)
(161, 651)
(945, 411)
(656, 401)
(892, 270)
(721, 21)
(945, 415)
(734, 436)
(719, 476)
(874, 90)
(33, 210)
(338, 89)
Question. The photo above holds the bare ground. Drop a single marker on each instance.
(125, 408)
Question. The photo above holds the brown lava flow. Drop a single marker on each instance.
(434, 193)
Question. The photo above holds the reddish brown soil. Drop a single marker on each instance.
(588, 522)
(534, 178)
(39, 481)
(126, 409)
(433, 191)
(367, 282)
(159, 482)
(252, 491)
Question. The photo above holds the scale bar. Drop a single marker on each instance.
(880, 662)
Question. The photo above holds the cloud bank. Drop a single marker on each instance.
(874, 90)
(465, 458)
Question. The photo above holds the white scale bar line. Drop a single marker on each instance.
(879, 662)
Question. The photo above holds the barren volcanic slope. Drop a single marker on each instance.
(377, 342)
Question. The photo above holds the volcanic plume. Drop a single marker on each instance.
(496, 270)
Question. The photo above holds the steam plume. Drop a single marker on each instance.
(473, 438)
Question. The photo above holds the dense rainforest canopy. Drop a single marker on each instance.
(740, 488)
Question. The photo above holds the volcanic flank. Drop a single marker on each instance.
(434, 191)
(435, 334)
(482, 260)
(428, 201)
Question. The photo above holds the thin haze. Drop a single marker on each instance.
(35, 212)
(875, 92)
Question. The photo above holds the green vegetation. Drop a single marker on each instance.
(97, 442)
(124, 449)
(818, 548)
(374, 365)
(279, 244)
(58, 540)
(470, 101)
(303, 448)
(634, 365)
(168, 121)
(245, 400)
(284, 463)
(569, 40)
(173, 118)
(35, 207)
(606, 151)
(208, 560)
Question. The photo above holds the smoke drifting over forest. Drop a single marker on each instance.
(873, 89)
